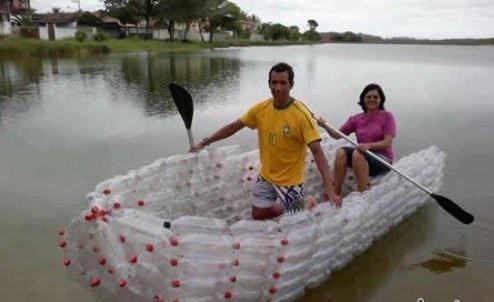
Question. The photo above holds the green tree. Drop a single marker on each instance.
(311, 35)
(146, 9)
(279, 32)
(88, 19)
(312, 24)
(128, 11)
(294, 33)
(121, 10)
(221, 14)
(254, 18)
(172, 11)
(265, 30)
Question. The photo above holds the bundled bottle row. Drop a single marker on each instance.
(134, 254)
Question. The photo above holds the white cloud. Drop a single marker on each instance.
(416, 18)
(65, 5)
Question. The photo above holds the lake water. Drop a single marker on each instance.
(67, 124)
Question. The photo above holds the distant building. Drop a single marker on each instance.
(57, 25)
(8, 9)
(112, 27)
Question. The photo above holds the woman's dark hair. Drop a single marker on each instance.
(282, 67)
(369, 88)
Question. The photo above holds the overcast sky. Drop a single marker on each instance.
(386, 18)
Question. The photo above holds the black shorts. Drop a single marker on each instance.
(375, 167)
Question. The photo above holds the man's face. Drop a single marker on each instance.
(280, 86)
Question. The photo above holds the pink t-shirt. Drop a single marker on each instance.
(372, 127)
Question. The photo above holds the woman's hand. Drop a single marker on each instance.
(364, 147)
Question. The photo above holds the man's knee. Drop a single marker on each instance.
(266, 213)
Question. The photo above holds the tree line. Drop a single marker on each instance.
(211, 16)
(277, 31)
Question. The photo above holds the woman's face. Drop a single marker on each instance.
(372, 100)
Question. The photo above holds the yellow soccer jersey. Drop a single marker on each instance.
(283, 136)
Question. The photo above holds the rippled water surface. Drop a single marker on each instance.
(66, 125)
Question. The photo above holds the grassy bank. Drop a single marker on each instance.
(136, 45)
(19, 48)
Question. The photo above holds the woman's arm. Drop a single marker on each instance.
(382, 144)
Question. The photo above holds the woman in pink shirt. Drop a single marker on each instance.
(375, 129)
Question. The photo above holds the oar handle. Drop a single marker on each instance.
(382, 161)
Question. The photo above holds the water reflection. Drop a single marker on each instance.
(364, 275)
(75, 122)
(141, 77)
(444, 261)
(152, 73)
(18, 76)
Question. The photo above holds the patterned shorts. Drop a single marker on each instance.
(266, 194)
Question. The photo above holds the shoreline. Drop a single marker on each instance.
(22, 48)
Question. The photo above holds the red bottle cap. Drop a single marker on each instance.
(176, 283)
(174, 241)
(94, 282)
(122, 283)
(61, 231)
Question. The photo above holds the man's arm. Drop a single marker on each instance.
(222, 133)
(323, 167)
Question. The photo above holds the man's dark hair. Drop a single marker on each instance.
(282, 67)
(369, 88)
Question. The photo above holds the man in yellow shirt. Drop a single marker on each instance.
(285, 128)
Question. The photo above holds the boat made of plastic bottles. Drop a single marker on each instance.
(180, 230)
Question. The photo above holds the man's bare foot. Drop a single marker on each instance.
(310, 202)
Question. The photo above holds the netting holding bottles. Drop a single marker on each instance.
(179, 229)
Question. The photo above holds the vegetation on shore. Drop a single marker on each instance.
(351, 37)
(20, 48)
(14, 48)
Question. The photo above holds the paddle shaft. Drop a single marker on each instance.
(191, 138)
(382, 161)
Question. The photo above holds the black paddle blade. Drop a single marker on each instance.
(183, 101)
(453, 209)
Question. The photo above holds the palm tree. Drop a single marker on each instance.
(312, 24)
